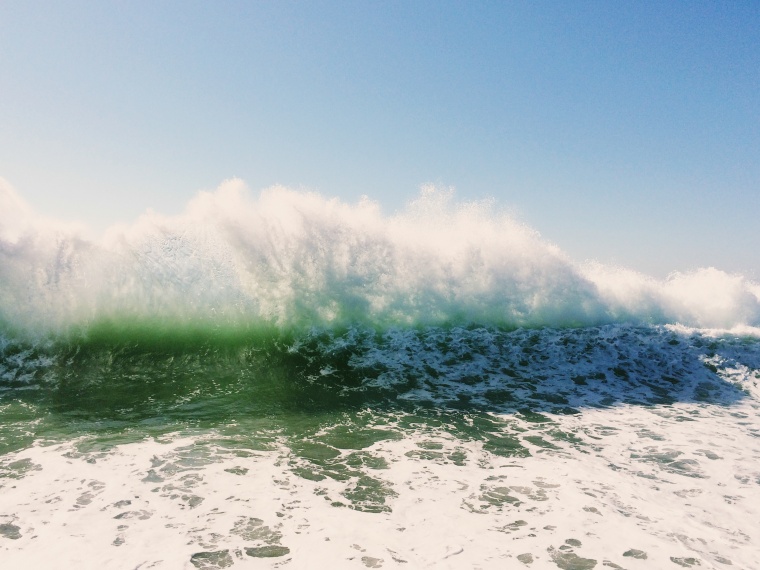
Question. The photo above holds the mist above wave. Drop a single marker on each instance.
(290, 258)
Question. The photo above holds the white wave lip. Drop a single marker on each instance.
(291, 258)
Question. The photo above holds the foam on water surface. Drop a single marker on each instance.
(627, 486)
(442, 447)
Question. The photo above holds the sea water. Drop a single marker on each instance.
(288, 380)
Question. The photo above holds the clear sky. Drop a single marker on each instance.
(627, 132)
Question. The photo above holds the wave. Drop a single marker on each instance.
(289, 260)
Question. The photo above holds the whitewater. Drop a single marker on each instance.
(284, 379)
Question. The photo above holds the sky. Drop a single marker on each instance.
(624, 132)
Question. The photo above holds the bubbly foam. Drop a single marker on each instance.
(292, 259)
(616, 487)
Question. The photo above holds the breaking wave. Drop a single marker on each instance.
(290, 260)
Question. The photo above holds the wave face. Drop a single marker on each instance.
(290, 260)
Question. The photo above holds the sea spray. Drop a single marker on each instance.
(293, 259)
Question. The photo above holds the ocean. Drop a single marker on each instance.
(292, 381)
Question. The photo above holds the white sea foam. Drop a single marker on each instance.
(291, 258)
(638, 487)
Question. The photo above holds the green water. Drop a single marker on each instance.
(327, 391)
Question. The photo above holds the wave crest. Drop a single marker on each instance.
(292, 259)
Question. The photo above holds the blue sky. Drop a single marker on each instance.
(627, 132)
